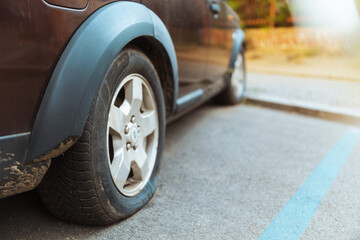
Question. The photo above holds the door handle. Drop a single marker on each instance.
(215, 8)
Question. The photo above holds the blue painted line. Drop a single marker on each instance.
(294, 218)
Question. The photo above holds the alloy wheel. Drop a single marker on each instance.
(133, 134)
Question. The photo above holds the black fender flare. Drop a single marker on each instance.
(77, 76)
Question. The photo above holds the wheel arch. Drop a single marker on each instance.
(82, 65)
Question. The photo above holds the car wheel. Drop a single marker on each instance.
(234, 92)
(112, 170)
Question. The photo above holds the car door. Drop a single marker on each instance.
(223, 23)
(187, 22)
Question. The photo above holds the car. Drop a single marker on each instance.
(88, 87)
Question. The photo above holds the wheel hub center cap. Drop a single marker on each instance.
(134, 133)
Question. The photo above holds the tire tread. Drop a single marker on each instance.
(68, 189)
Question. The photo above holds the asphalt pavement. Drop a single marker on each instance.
(227, 173)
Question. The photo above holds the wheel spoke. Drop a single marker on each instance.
(117, 144)
(121, 169)
(117, 161)
(142, 161)
(116, 119)
(148, 122)
(134, 93)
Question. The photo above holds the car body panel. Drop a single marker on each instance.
(33, 36)
(189, 35)
(222, 28)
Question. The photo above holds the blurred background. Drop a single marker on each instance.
(312, 46)
(321, 35)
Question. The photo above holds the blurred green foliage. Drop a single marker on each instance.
(260, 10)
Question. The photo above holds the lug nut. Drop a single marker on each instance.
(126, 130)
(128, 146)
(133, 119)
(136, 146)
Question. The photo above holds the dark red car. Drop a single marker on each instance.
(87, 87)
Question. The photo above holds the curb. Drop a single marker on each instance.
(303, 75)
(338, 114)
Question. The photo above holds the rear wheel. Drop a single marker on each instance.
(112, 170)
(234, 92)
